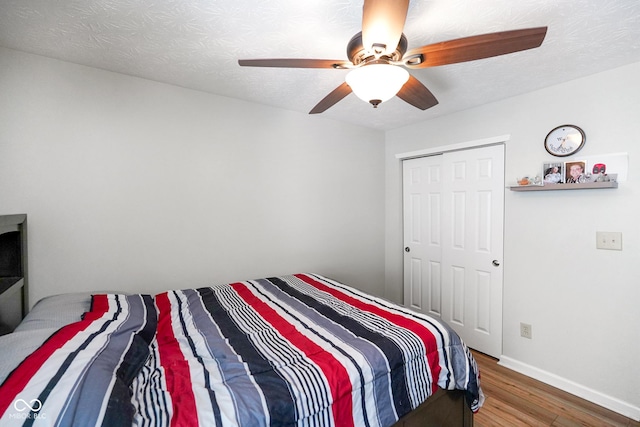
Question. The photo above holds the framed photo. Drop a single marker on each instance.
(575, 172)
(553, 173)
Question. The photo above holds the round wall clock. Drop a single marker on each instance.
(564, 140)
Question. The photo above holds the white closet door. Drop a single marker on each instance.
(453, 213)
(422, 188)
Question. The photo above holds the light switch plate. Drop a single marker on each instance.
(609, 240)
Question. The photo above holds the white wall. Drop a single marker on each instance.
(140, 186)
(582, 303)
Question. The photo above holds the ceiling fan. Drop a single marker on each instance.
(378, 54)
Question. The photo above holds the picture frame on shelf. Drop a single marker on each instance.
(575, 172)
(553, 173)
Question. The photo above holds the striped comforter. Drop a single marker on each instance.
(294, 350)
(81, 376)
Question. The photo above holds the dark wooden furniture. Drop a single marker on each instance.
(443, 409)
(14, 302)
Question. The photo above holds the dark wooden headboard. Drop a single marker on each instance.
(14, 293)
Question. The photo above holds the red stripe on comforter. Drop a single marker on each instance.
(176, 368)
(18, 379)
(423, 333)
(335, 373)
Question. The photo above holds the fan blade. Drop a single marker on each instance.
(295, 63)
(382, 24)
(474, 47)
(417, 94)
(330, 100)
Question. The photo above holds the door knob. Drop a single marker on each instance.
(495, 262)
(407, 249)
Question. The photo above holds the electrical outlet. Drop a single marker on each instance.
(525, 330)
(609, 240)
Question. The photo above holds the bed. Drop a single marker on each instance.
(296, 350)
(292, 350)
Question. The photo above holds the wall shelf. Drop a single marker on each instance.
(553, 187)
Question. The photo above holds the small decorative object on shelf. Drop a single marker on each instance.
(529, 181)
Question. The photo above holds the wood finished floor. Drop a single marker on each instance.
(514, 400)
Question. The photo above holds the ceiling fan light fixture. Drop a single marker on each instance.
(376, 83)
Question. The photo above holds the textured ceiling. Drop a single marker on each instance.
(196, 44)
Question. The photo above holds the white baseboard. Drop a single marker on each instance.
(609, 402)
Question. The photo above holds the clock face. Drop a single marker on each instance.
(564, 140)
